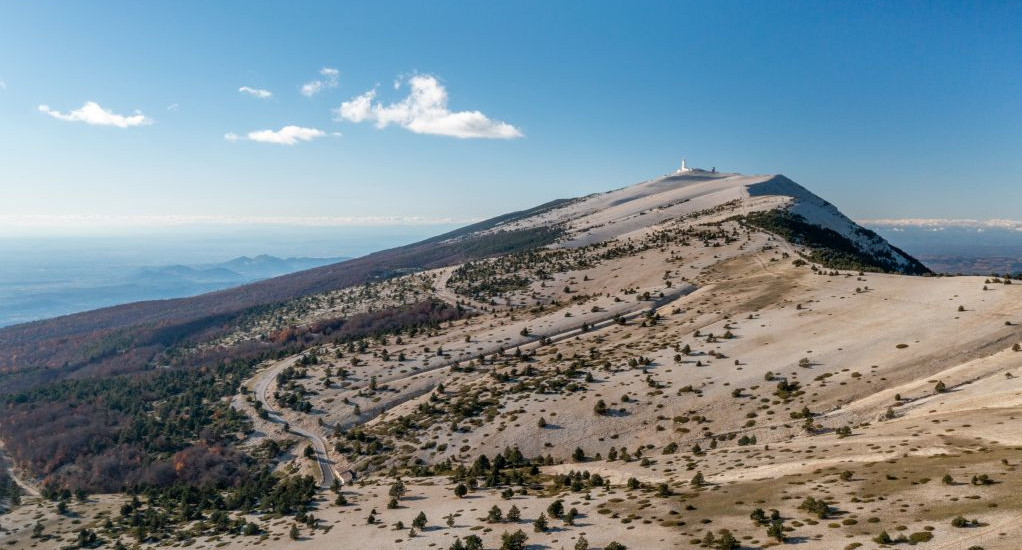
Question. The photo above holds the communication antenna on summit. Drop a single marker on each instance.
(684, 168)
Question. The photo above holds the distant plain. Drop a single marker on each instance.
(48, 275)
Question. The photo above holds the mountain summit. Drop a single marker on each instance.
(772, 202)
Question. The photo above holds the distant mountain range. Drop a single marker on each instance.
(21, 301)
(237, 271)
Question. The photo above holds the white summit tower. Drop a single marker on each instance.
(684, 168)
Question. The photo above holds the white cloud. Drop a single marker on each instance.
(425, 111)
(938, 224)
(358, 109)
(172, 107)
(255, 92)
(288, 135)
(330, 80)
(3, 85)
(92, 113)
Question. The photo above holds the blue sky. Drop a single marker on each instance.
(889, 110)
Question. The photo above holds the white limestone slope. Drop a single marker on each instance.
(617, 213)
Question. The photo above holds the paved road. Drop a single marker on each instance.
(262, 387)
(525, 343)
(444, 292)
(5, 464)
(266, 378)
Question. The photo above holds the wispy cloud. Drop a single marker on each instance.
(3, 85)
(425, 111)
(256, 92)
(288, 135)
(942, 223)
(329, 80)
(92, 113)
(172, 107)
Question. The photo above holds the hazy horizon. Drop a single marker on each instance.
(44, 276)
(56, 271)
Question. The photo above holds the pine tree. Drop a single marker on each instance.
(727, 541)
(398, 489)
(513, 541)
(420, 521)
(698, 480)
(473, 542)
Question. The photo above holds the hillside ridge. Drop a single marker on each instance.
(707, 355)
(104, 335)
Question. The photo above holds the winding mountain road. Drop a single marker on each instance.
(6, 465)
(263, 382)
